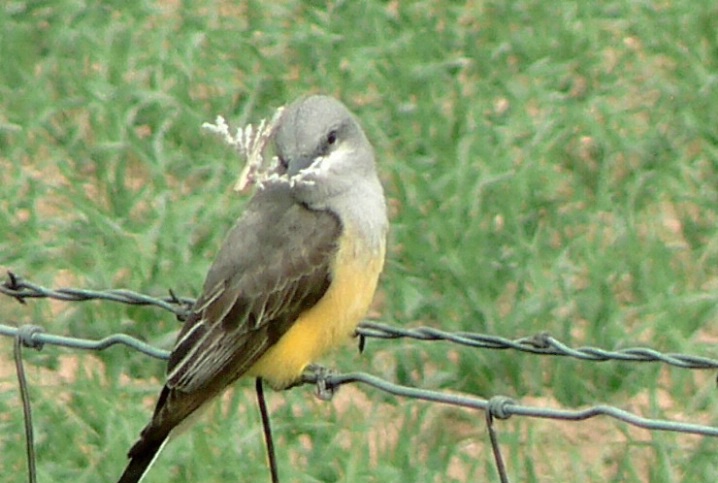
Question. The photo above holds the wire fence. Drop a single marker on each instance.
(499, 407)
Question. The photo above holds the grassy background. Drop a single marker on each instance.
(551, 166)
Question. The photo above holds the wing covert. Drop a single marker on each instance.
(274, 264)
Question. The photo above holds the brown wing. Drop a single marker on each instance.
(273, 265)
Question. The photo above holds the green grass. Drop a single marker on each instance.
(551, 166)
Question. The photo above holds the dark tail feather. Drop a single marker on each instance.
(142, 454)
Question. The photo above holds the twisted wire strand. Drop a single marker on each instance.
(542, 343)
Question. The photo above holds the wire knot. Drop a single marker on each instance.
(542, 340)
(12, 287)
(322, 378)
(499, 407)
(26, 334)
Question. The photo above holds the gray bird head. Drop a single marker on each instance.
(319, 133)
(330, 164)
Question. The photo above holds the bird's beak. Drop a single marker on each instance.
(299, 164)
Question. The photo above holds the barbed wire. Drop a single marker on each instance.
(499, 407)
(21, 290)
(541, 344)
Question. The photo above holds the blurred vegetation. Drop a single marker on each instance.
(551, 166)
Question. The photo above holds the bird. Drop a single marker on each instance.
(293, 278)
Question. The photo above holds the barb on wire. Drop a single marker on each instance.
(542, 343)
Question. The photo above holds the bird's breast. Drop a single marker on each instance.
(333, 320)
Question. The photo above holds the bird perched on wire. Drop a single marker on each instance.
(293, 278)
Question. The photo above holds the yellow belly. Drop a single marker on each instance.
(331, 321)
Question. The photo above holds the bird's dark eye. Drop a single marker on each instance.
(283, 162)
(332, 137)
